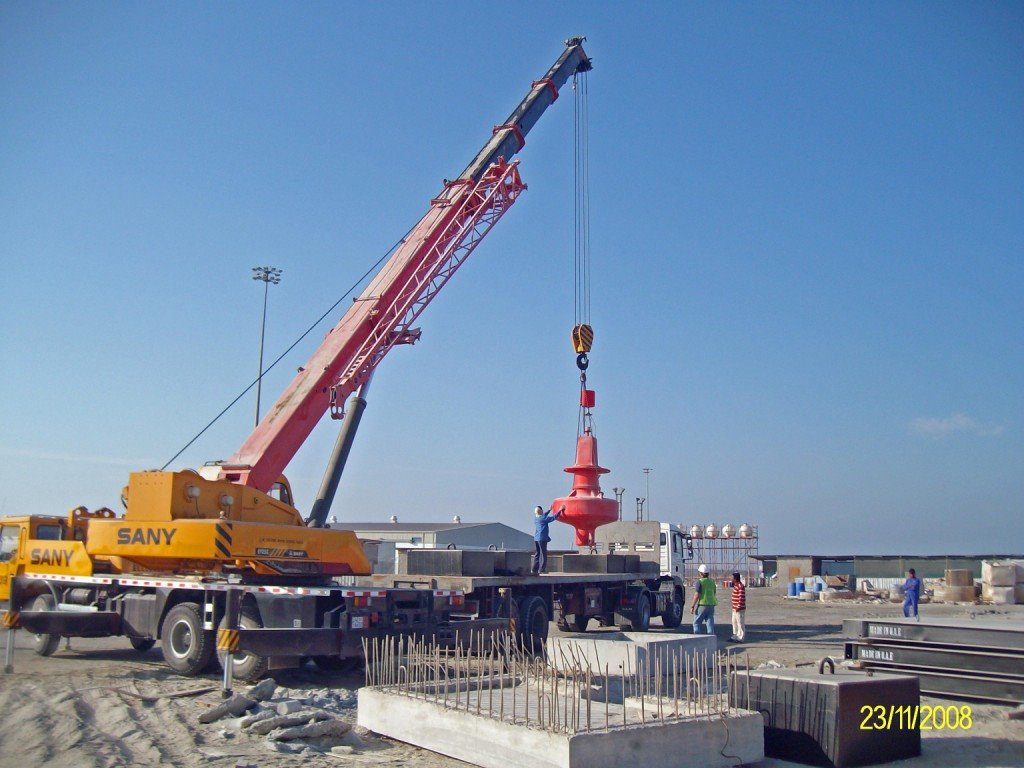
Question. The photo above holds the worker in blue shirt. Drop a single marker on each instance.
(541, 537)
(912, 590)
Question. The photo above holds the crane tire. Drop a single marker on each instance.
(188, 648)
(45, 644)
(247, 666)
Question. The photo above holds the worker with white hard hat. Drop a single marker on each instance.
(704, 602)
(541, 537)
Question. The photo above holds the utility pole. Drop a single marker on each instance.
(268, 275)
(647, 474)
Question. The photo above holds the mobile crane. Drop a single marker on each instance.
(161, 571)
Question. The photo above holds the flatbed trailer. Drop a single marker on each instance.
(282, 624)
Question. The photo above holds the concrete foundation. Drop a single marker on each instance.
(621, 652)
(720, 739)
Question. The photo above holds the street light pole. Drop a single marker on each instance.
(268, 275)
(647, 473)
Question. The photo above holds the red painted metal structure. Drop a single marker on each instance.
(458, 219)
(586, 508)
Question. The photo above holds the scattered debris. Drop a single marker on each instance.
(263, 690)
(335, 728)
(234, 706)
(287, 721)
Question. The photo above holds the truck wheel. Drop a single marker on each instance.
(187, 647)
(533, 624)
(45, 644)
(642, 622)
(247, 666)
(673, 615)
(142, 644)
(579, 623)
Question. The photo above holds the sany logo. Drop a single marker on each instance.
(50, 557)
(158, 536)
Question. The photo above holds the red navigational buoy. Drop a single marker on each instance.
(586, 508)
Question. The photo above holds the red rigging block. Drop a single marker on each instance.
(588, 398)
(585, 507)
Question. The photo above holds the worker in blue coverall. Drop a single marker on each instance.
(541, 537)
(912, 590)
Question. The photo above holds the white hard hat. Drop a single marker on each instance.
(538, 510)
(702, 568)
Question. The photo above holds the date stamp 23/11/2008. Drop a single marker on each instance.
(909, 718)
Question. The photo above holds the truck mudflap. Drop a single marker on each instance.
(70, 623)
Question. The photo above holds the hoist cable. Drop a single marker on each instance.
(290, 348)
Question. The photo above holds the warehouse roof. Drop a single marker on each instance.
(386, 526)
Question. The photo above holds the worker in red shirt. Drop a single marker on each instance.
(739, 609)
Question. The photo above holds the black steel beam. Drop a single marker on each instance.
(956, 660)
(998, 635)
(958, 686)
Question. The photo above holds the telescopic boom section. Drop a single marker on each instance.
(458, 219)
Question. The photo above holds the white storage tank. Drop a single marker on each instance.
(711, 531)
(746, 531)
(728, 531)
(696, 532)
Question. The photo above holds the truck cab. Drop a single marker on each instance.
(663, 544)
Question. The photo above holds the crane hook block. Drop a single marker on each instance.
(582, 338)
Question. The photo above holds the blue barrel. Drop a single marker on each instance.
(792, 589)
(801, 587)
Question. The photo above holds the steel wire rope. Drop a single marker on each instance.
(581, 218)
(294, 344)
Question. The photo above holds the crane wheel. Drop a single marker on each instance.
(247, 666)
(45, 644)
(187, 647)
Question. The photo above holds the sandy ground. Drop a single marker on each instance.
(76, 708)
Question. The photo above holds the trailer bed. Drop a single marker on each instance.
(473, 583)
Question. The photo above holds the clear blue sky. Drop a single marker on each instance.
(808, 228)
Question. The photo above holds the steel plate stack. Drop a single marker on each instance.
(963, 658)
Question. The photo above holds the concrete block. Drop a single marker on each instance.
(998, 574)
(1018, 594)
(999, 595)
(959, 577)
(494, 743)
(816, 719)
(594, 563)
(622, 652)
(954, 594)
(447, 562)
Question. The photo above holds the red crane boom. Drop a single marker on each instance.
(382, 316)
